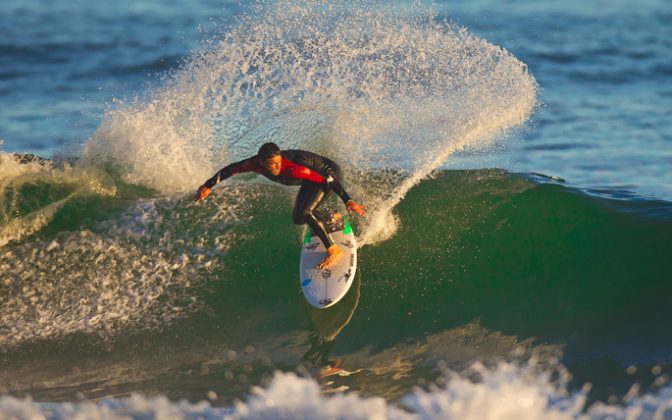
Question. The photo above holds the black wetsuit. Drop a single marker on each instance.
(317, 176)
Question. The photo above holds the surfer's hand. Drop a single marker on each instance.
(202, 192)
(352, 206)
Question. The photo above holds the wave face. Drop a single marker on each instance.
(485, 266)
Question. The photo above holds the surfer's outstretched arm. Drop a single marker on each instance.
(338, 189)
(247, 165)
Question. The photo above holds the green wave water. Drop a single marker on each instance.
(142, 293)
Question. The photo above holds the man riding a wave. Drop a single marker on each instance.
(317, 176)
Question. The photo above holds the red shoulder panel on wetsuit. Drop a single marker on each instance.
(290, 169)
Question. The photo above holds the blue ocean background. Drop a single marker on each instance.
(515, 156)
(603, 68)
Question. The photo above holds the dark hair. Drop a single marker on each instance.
(268, 150)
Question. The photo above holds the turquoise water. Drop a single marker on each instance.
(519, 227)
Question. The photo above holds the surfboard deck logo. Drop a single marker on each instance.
(324, 288)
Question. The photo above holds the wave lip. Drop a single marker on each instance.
(33, 190)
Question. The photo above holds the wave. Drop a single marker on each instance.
(108, 255)
(538, 264)
(486, 241)
(33, 190)
(508, 390)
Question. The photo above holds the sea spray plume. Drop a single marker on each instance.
(390, 92)
(155, 143)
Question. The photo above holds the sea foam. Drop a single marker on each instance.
(507, 391)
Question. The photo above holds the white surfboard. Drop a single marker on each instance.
(324, 288)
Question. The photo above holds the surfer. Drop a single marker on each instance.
(317, 175)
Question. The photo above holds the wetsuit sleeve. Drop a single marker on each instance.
(247, 165)
(337, 188)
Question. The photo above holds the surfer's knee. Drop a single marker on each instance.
(301, 217)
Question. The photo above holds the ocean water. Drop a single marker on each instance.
(514, 158)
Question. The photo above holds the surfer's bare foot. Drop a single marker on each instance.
(333, 253)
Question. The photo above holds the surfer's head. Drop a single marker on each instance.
(269, 156)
